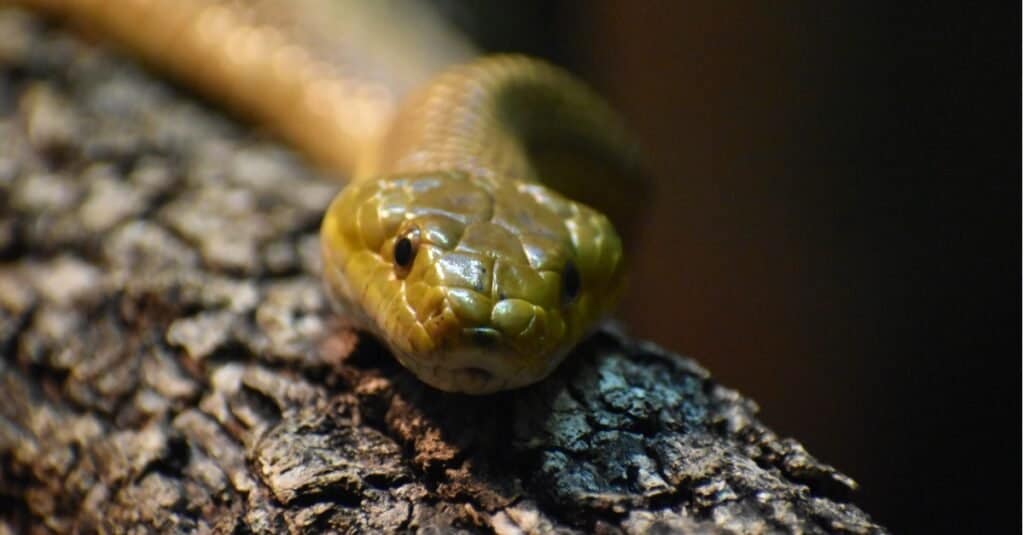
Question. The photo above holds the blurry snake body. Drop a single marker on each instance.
(450, 242)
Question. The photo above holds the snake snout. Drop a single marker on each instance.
(480, 346)
(511, 327)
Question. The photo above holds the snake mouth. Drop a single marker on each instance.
(472, 378)
(463, 379)
(480, 362)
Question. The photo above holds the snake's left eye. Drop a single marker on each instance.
(570, 283)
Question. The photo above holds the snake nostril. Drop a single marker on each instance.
(483, 336)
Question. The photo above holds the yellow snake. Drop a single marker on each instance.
(451, 242)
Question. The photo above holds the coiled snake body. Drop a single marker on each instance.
(451, 242)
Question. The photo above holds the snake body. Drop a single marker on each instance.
(452, 242)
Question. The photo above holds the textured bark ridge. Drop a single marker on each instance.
(170, 361)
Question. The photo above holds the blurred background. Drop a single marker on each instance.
(835, 230)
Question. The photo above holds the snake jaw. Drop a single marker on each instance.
(519, 345)
(482, 363)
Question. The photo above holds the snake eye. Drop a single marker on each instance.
(404, 253)
(405, 250)
(570, 283)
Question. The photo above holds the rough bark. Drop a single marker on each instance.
(170, 361)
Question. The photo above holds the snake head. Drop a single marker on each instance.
(475, 285)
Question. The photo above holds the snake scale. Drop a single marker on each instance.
(455, 240)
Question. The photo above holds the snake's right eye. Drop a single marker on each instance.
(405, 252)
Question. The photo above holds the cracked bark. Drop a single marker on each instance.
(170, 361)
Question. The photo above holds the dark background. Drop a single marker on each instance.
(835, 231)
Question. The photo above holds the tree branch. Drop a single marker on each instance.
(170, 361)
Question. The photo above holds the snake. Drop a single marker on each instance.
(464, 238)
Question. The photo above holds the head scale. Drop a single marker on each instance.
(475, 285)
